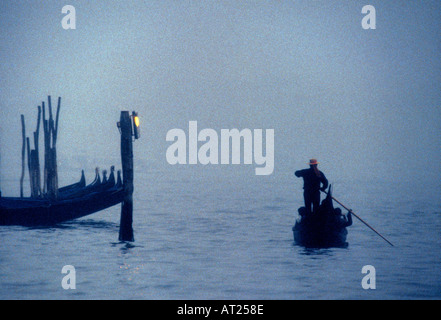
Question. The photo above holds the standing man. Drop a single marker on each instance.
(312, 179)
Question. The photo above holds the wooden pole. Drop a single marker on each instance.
(50, 128)
(23, 152)
(364, 222)
(54, 149)
(28, 144)
(46, 146)
(56, 121)
(37, 156)
(33, 173)
(52, 187)
(125, 228)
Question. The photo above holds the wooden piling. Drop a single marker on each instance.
(31, 168)
(34, 162)
(23, 153)
(125, 228)
(37, 155)
(50, 129)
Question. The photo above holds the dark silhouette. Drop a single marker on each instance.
(344, 221)
(302, 211)
(312, 179)
(325, 228)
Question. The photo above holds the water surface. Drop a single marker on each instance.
(211, 236)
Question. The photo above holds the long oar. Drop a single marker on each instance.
(352, 212)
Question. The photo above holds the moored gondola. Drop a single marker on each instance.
(97, 185)
(323, 229)
(78, 203)
(51, 205)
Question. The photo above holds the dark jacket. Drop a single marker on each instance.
(311, 181)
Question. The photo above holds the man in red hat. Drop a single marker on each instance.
(312, 179)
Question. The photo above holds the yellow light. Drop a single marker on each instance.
(136, 129)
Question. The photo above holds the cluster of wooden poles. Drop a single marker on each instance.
(50, 175)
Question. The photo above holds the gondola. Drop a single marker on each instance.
(97, 185)
(323, 229)
(79, 202)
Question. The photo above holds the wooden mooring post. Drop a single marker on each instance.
(50, 127)
(23, 154)
(125, 126)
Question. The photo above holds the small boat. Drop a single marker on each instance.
(73, 202)
(324, 229)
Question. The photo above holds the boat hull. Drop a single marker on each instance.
(318, 233)
(31, 212)
(322, 229)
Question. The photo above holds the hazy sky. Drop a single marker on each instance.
(365, 102)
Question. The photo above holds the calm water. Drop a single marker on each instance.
(207, 235)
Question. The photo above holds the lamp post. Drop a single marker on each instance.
(129, 128)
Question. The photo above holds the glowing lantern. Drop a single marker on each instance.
(136, 129)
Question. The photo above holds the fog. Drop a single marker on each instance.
(366, 103)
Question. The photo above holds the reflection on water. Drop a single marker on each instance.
(125, 246)
(316, 251)
(75, 224)
(88, 223)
